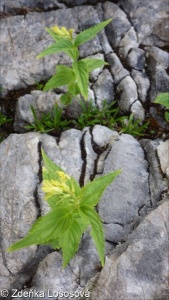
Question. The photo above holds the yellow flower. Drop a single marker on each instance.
(63, 32)
(51, 187)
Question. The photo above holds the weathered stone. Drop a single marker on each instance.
(17, 197)
(159, 82)
(143, 84)
(136, 59)
(163, 155)
(120, 203)
(127, 90)
(103, 88)
(51, 277)
(157, 184)
(12, 6)
(117, 68)
(138, 111)
(138, 269)
(128, 42)
(157, 56)
(43, 103)
(102, 140)
(149, 20)
(119, 25)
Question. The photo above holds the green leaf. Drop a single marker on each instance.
(167, 116)
(92, 191)
(163, 99)
(61, 46)
(90, 33)
(64, 76)
(73, 89)
(69, 241)
(50, 166)
(46, 228)
(82, 77)
(96, 232)
(66, 98)
(93, 63)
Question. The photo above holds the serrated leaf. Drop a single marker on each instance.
(62, 45)
(90, 33)
(163, 99)
(69, 241)
(82, 77)
(96, 232)
(64, 76)
(93, 63)
(48, 227)
(92, 191)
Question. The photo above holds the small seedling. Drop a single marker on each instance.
(48, 122)
(91, 115)
(72, 212)
(3, 119)
(39, 86)
(130, 126)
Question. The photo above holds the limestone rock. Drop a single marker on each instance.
(119, 25)
(157, 56)
(43, 103)
(157, 184)
(138, 111)
(120, 204)
(12, 6)
(128, 42)
(136, 58)
(163, 155)
(128, 93)
(149, 20)
(103, 88)
(117, 69)
(143, 84)
(138, 269)
(159, 82)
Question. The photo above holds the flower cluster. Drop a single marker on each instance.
(63, 32)
(61, 187)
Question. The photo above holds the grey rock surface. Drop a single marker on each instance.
(157, 184)
(117, 69)
(127, 90)
(128, 42)
(138, 269)
(43, 103)
(119, 25)
(103, 88)
(149, 20)
(138, 111)
(163, 155)
(160, 82)
(120, 204)
(136, 59)
(11, 6)
(143, 84)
